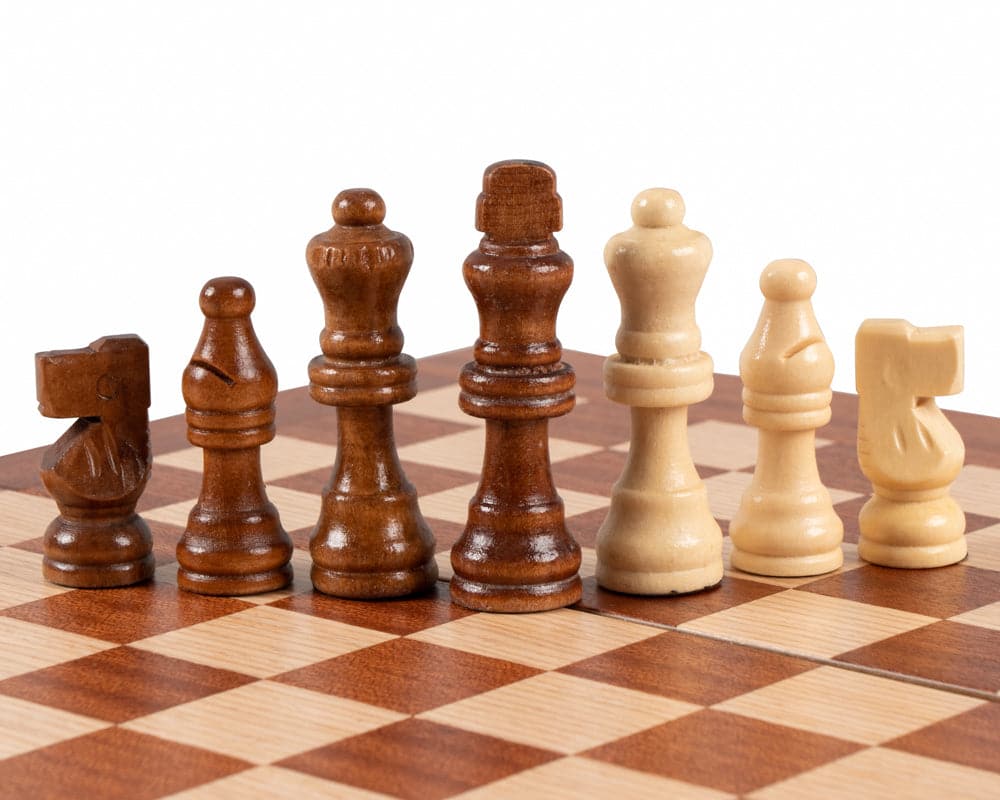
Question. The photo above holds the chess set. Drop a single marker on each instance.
(510, 585)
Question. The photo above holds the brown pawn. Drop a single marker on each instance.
(97, 470)
(515, 553)
(234, 543)
(370, 540)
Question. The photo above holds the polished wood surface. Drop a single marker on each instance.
(370, 540)
(234, 543)
(97, 470)
(515, 553)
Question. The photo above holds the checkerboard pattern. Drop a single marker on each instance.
(864, 682)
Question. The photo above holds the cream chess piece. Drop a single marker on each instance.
(786, 525)
(906, 447)
(659, 536)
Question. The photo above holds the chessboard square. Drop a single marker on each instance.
(262, 641)
(941, 593)
(984, 548)
(987, 616)
(546, 641)
(263, 721)
(675, 664)
(464, 451)
(577, 503)
(440, 403)
(723, 444)
(24, 516)
(112, 763)
(723, 751)
(173, 514)
(972, 738)
(948, 652)
(977, 490)
(21, 578)
(725, 491)
(560, 712)
(127, 614)
(574, 777)
(30, 647)
(121, 683)
(675, 609)
(849, 705)
(296, 509)
(811, 624)
(419, 760)
(883, 773)
(275, 783)
(29, 726)
(588, 562)
(400, 615)
(413, 676)
(451, 505)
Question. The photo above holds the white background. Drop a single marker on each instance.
(146, 147)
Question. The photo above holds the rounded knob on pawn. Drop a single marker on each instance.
(788, 279)
(223, 298)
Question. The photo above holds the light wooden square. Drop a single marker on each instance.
(284, 456)
(725, 491)
(264, 721)
(464, 451)
(886, 774)
(984, 548)
(807, 623)
(560, 712)
(28, 726)
(21, 578)
(573, 777)
(274, 783)
(546, 641)
(977, 490)
(24, 516)
(440, 403)
(849, 705)
(262, 641)
(38, 646)
(985, 616)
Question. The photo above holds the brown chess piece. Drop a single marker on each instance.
(370, 540)
(234, 543)
(97, 470)
(515, 553)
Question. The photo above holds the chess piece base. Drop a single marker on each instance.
(660, 583)
(787, 566)
(234, 585)
(515, 599)
(659, 543)
(375, 585)
(918, 534)
(118, 552)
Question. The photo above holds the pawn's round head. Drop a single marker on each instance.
(788, 279)
(228, 297)
(658, 208)
(358, 207)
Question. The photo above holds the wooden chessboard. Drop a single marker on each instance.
(866, 682)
